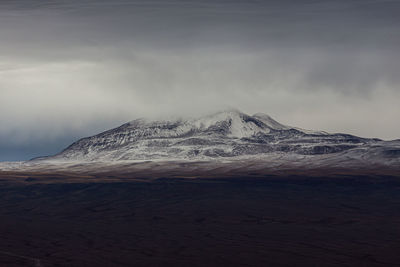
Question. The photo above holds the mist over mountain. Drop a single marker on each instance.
(227, 136)
(72, 68)
(199, 133)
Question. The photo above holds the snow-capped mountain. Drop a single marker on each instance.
(224, 135)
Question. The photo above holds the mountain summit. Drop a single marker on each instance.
(223, 135)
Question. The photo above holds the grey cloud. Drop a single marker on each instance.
(72, 68)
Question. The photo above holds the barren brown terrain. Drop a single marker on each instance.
(122, 219)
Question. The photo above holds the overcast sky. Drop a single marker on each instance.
(70, 69)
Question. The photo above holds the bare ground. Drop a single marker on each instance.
(61, 219)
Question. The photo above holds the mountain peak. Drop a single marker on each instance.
(227, 133)
(270, 121)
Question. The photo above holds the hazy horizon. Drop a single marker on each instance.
(70, 69)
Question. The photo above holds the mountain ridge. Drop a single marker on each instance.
(228, 134)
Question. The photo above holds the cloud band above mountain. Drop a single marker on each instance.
(73, 68)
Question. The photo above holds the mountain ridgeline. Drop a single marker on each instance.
(224, 135)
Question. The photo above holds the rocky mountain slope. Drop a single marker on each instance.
(224, 135)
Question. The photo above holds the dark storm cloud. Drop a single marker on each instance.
(71, 68)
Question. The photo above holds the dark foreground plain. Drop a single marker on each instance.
(69, 220)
